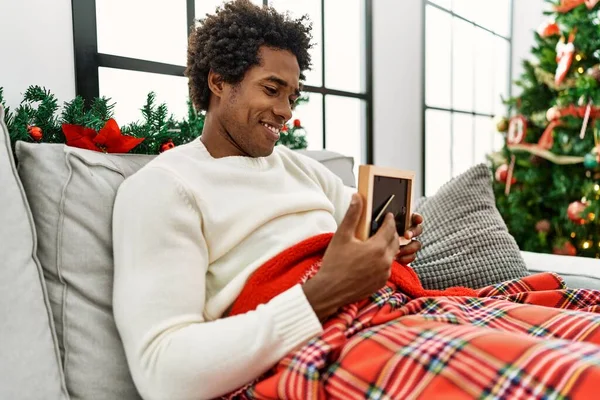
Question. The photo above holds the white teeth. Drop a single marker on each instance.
(272, 128)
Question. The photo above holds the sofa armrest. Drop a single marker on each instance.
(578, 272)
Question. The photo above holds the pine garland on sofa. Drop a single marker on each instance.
(37, 119)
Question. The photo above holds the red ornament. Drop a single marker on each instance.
(284, 128)
(517, 129)
(548, 28)
(575, 211)
(567, 249)
(35, 132)
(502, 174)
(297, 123)
(168, 145)
(109, 139)
(543, 226)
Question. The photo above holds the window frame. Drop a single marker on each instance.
(88, 61)
(451, 110)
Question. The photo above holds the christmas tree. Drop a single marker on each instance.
(39, 119)
(547, 176)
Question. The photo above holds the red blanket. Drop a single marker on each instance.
(529, 338)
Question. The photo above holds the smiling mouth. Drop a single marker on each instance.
(274, 130)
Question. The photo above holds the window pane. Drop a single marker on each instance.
(462, 143)
(155, 31)
(345, 127)
(438, 73)
(447, 4)
(498, 17)
(469, 9)
(311, 116)
(462, 65)
(345, 45)
(484, 71)
(129, 89)
(501, 78)
(203, 7)
(437, 150)
(483, 138)
(312, 8)
(491, 14)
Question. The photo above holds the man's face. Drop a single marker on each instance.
(254, 111)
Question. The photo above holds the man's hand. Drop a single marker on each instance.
(408, 252)
(351, 269)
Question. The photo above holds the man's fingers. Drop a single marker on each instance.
(416, 219)
(405, 260)
(387, 230)
(416, 226)
(414, 231)
(348, 225)
(411, 248)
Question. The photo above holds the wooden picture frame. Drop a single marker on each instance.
(384, 190)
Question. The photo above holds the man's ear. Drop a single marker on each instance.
(216, 83)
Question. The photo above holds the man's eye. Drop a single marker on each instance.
(270, 90)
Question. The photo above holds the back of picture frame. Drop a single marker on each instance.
(384, 190)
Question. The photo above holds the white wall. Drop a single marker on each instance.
(37, 48)
(397, 92)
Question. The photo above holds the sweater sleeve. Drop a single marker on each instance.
(161, 262)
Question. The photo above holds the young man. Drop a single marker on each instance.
(196, 222)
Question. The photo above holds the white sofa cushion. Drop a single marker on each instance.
(30, 363)
(342, 166)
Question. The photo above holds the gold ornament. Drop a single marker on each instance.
(502, 124)
(547, 78)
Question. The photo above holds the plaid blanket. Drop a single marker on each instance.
(528, 338)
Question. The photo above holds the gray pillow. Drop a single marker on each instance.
(29, 359)
(71, 192)
(465, 241)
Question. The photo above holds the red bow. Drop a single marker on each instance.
(109, 139)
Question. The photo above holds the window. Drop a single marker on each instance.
(467, 74)
(126, 48)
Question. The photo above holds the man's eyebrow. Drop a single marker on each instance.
(283, 83)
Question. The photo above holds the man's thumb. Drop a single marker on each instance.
(350, 221)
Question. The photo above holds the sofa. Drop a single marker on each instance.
(58, 338)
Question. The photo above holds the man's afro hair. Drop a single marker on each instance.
(228, 42)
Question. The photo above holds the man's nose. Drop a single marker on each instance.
(283, 109)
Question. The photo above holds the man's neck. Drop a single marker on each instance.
(216, 139)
